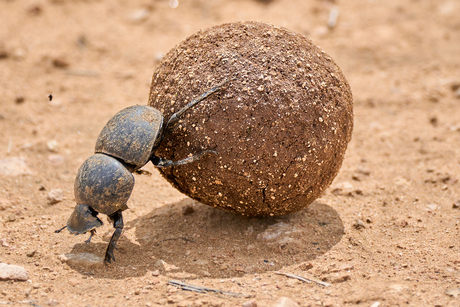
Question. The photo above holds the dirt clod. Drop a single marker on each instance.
(280, 125)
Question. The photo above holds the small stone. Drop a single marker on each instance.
(342, 188)
(251, 303)
(431, 207)
(285, 302)
(156, 273)
(19, 99)
(74, 281)
(359, 224)
(4, 242)
(52, 145)
(185, 303)
(306, 266)
(205, 273)
(55, 196)
(31, 254)
(53, 302)
(56, 159)
(456, 205)
(11, 218)
(139, 15)
(3, 52)
(336, 278)
(14, 166)
(346, 267)
(13, 272)
(60, 63)
(166, 266)
(82, 259)
(454, 292)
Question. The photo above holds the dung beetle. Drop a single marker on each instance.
(104, 181)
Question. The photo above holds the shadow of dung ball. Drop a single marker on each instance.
(281, 124)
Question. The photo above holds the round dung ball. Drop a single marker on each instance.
(280, 125)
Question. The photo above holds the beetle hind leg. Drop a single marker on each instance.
(160, 162)
(117, 219)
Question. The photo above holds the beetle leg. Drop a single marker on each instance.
(160, 162)
(176, 116)
(60, 229)
(117, 219)
(92, 232)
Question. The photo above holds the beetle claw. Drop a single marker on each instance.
(117, 219)
(93, 231)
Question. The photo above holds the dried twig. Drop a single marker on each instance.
(198, 289)
(308, 280)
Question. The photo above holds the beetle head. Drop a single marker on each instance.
(83, 219)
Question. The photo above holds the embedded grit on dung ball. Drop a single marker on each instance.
(280, 125)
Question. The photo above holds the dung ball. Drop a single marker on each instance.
(280, 125)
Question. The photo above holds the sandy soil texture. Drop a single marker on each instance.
(386, 233)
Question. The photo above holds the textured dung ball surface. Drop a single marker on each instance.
(280, 127)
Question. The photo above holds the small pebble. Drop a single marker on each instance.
(74, 281)
(56, 159)
(306, 266)
(13, 272)
(52, 145)
(83, 259)
(156, 273)
(60, 63)
(55, 196)
(4, 243)
(19, 99)
(285, 302)
(454, 292)
(359, 224)
(139, 16)
(251, 303)
(14, 166)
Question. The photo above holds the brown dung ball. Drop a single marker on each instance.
(280, 125)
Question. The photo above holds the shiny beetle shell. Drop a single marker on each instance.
(103, 184)
(131, 135)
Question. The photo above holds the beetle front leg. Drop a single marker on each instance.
(117, 219)
(92, 232)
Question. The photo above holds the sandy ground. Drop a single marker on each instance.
(386, 233)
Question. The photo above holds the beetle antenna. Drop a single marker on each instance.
(175, 117)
